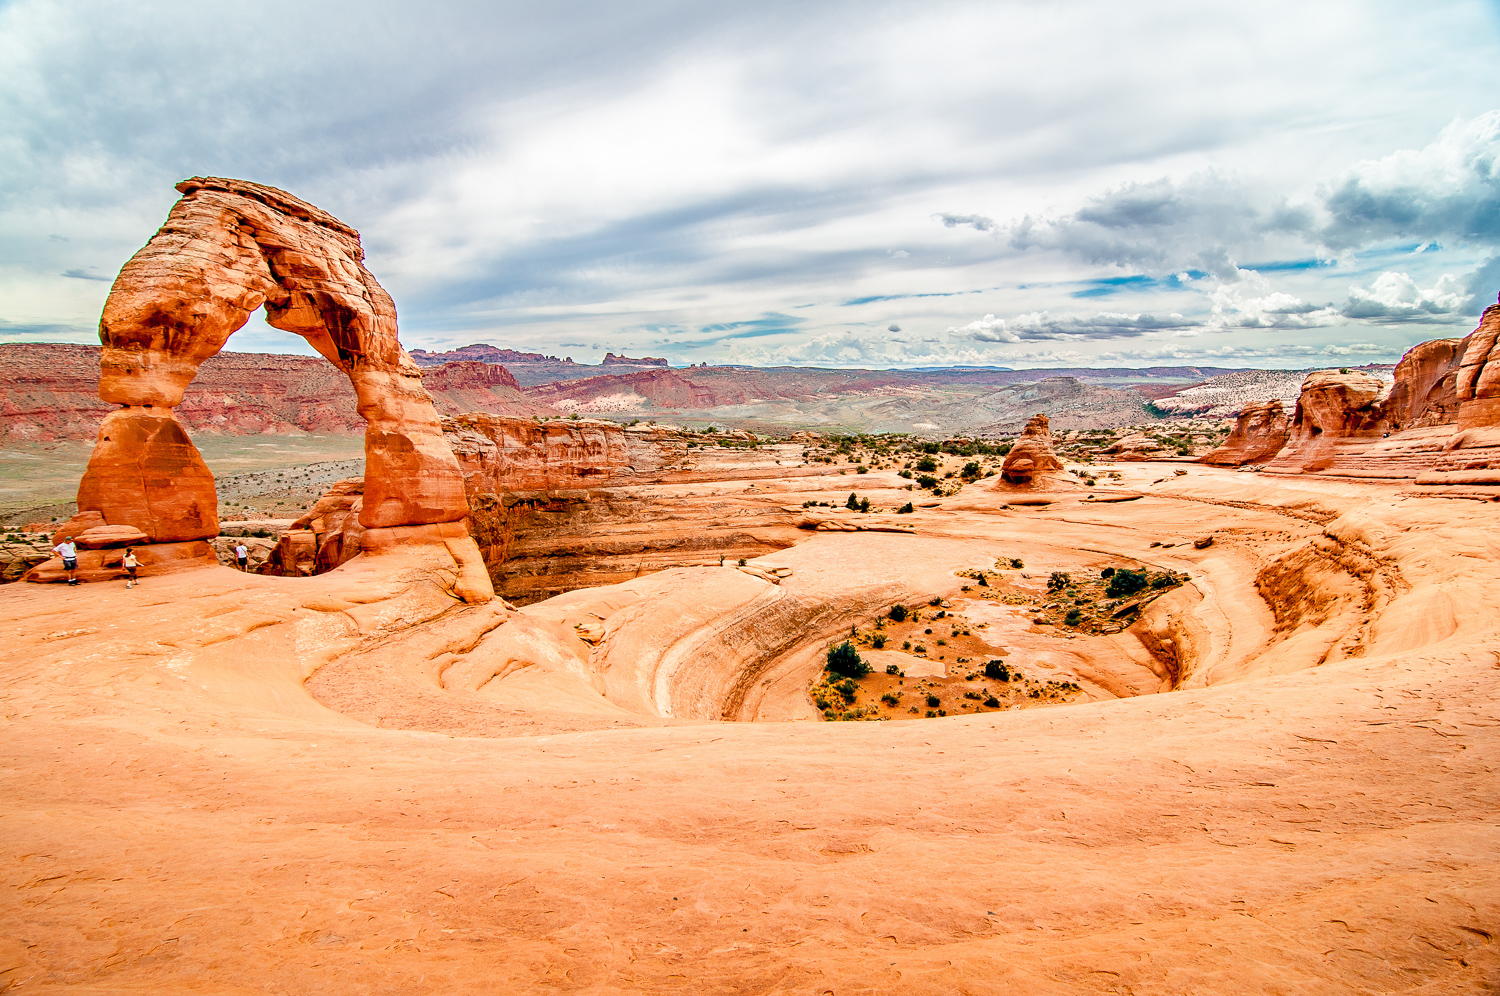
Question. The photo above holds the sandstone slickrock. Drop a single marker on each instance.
(1031, 456)
(329, 534)
(1259, 434)
(228, 248)
(503, 454)
(1136, 447)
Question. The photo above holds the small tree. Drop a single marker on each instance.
(1058, 581)
(996, 671)
(897, 613)
(853, 502)
(1125, 582)
(906, 509)
(971, 471)
(844, 661)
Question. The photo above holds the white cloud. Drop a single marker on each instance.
(987, 329)
(1396, 297)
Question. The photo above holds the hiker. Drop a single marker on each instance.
(242, 556)
(130, 564)
(69, 554)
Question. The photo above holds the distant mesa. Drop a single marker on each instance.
(483, 353)
(644, 361)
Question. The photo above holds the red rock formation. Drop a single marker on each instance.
(1423, 392)
(1259, 434)
(1333, 407)
(1031, 456)
(229, 247)
(1136, 447)
(1477, 386)
(329, 534)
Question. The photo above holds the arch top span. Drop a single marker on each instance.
(228, 248)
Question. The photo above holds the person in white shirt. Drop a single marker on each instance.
(130, 564)
(69, 554)
(242, 556)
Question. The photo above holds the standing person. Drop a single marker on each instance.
(69, 554)
(242, 556)
(130, 565)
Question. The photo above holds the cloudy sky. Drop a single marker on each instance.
(1017, 182)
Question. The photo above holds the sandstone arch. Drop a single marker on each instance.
(227, 248)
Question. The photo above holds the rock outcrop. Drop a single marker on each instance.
(1334, 406)
(1259, 434)
(1477, 385)
(328, 535)
(1424, 390)
(1031, 456)
(1136, 447)
(228, 248)
(500, 454)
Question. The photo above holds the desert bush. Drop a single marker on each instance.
(1074, 617)
(1162, 582)
(906, 509)
(992, 702)
(892, 669)
(864, 504)
(933, 701)
(927, 465)
(897, 613)
(927, 481)
(920, 648)
(996, 670)
(1107, 572)
(982, 582)
(878, 641)
(891, 698)
(905, 473)
(1016, 563)
(844, 660)
(853, 502)
(1058, 581)
(1125, 582)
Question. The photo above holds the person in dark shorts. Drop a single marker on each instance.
(69, 554)
(242, 556)
(130, 564)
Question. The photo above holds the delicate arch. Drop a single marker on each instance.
(229, 247)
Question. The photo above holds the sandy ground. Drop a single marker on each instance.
(227, 783)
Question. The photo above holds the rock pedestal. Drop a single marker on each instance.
(1032, 455)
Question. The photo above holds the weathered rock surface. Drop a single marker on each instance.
(1333, 407)
(1477, 385)
(146, 473)
(1031, 456)
(228, 248)
(1424, 390)
(1259, 434)
(329, 534)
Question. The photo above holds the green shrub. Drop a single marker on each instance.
(905, 473)
(1162, 582)
(997, 670)
(853, 502)
(861, 469)
(1125, 582)
(891, 698)
(1058, 581)
(933, 701)
(992, 702)
(927, 465)
(926, 481)
(864, 504)
(1017, 564)
(897, 613)
(1074, 617)
(878, 641)
(844, 660)
(1107, 572)
(892, 669)
(971, 471)
(906, 509)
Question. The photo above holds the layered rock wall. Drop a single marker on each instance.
(500, 454)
